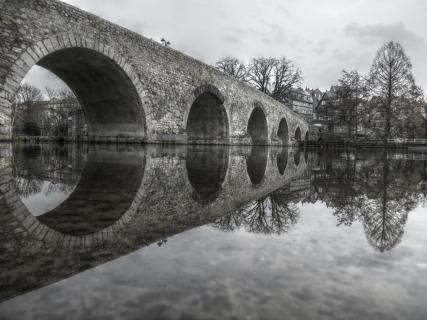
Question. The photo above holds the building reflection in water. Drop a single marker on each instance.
(119, 199)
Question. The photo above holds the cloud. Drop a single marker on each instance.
(380, 33)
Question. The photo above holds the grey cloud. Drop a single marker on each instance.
(378, 33)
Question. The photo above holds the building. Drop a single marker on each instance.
(301, 102)
(46, 118)
(77, 127)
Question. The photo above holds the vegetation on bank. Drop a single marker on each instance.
(384, 104)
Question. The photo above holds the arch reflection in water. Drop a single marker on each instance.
(206, 169)
(106, 188)
(256, 164)
(297, 157)
(282, 160)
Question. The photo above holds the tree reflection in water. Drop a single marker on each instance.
(272, 214)
(373, 189)
(37, 167)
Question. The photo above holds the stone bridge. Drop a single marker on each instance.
(130, 86)
(158, 193)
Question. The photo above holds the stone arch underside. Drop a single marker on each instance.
(283, 132)
(298, 134)
(109, 99)
(257, 127)
(207, 121)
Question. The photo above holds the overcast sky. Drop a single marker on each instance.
(322, 37)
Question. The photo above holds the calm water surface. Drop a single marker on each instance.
(108, 232)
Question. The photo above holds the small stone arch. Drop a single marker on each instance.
(206, 121)
(297, 135)
(283, 132)
(97, 74)
(258, 126)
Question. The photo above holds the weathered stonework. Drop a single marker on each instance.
(129, 85)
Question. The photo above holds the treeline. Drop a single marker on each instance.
(273, 76)
(386, 103)
(35, 113)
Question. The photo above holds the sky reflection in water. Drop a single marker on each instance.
(341, 235)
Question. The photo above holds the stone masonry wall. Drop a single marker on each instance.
(166, 80)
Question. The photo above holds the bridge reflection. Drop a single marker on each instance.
(120, 199)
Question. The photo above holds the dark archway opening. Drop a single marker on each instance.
(207, 121)
(111, 104)
(283, 132)
(298, 135)
(282, 160)
(206, 169)
(256, 164)
(306, 138)
(257, 127)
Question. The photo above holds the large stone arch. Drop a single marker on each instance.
(283, 132)
(106, 85)
(206, 120)
(257, 126)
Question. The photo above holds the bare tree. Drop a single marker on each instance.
(26, 98)
(57, 121)
(232, 67)
(261, 73)
(351, 94)
(286, 77)
(275, 77)
(390, 79)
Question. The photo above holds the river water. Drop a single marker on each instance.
(192, 232)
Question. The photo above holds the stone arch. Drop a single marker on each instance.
(256, 164)
(207, 121)
(258, 126)
(103, 81)
(297, 136)
(206, 171)
(283, 132)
